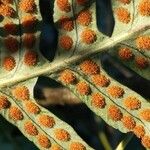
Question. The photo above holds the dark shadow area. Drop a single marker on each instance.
(104, 15)
(49, 34)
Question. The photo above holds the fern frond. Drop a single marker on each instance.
(119, 106)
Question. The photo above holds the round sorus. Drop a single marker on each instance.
(30, 128)
(63, 5)
(84, 18)
(43, 141)
(21, 92)
(11, 44)
(29, 40)
(10, 28)
(144, 8)
(123, 15)
(66, 42)
(9, 63)
(100, 80)
(98, 100)
(30, 58)
(81, 2)
(89, 67)
(114, 113)
(55, 147)
(125, 54)
(66, 23)
(141, 62)
(67, 77)
(4, 103)
(15, 113)
(143, 42)
(115, 91)
(77, 146)
(132, 103)
(128, 122)
(88, 36)
(125, 1)
(31, 107)
(46, 121)
(29, 22)
(83, 88)
(6, 11)
(7, 1)
(62, 135)
(146, 141)
(27, 6)
(139, 131)
(145, 114)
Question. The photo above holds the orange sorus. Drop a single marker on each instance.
(66, 42)
(63, 5)
(81, 2)
(77, 146)
(100, 80)
(125, 1)
(43, 141)
(29, 40)
(46, 121)
(55, 147)
(128, 122)
(139, 131)
(9, 63)
(132, 103)
(114, 113)
(31, 107)
(6, 11)
(10, 28)
(145, 114)
(29, 22)
(143, 42)
(62, 135)
(30, 129)
(144, 7)
(30, 58)
(21, 92)
(66, 23)
(67, 77)
(83, 88)
(146, 141)
(125, 53)
(7, 1)
(11, 44)
(84, 18)
(4, 103)
(98, 100)
(89, 67)
(15, 113)
(88, 36)
(27, 6)
(141, 62)
(115, 91)
(123, 15)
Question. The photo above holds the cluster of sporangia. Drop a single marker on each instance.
(142, 42)
(84, 18)
(91, 69)
(22, 95)
(11, 29)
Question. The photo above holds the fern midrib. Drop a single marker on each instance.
(86, 79)
(54, 67)
(17, 103)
